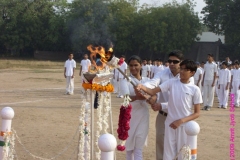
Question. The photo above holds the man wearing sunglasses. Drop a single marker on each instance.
(174, 59)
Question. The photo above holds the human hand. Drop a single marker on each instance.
(72, 76)
(227, 87)
(218, 87)
(65, 75)
(80, 74)
(156, 107)
(213, 84)
(176, 124)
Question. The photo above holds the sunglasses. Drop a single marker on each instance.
(173, 61)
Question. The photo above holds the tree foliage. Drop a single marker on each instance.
(132, 29)
(223, 17)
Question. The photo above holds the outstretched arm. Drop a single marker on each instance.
(149, 91)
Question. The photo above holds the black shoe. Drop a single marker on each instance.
(204, 108)
(208, 108)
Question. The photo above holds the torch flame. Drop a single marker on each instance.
(104, 56)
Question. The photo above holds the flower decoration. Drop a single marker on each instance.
(120, 62)
(97, 87)
(124, 123)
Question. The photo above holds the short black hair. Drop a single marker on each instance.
(176, 53)
(135, 57)
(211, 55)
(123, 56)
(224, 63)
(158, 59)
(202, 62)
(236, 62)
(189, 64)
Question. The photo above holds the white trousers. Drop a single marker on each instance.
(70, 84)
(235, 90)
(122, 87)
(173, 141)
(223, 95)
(208, 93)
(160, 131)
(135, 154)
(115, 85)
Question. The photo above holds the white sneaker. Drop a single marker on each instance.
(71, 93)
(121, 96)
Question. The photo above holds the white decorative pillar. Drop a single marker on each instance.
(7, 115)
(107, 144)
(192, 129)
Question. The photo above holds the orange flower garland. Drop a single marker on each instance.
(97, 87)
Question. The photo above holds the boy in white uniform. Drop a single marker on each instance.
(145, 69)
(208, 82)
(158, 68)
(69, 69)
(223, 85)
(235, 84)
(84, 65)
(183, 95)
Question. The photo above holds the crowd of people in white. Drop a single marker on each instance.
(201, 85)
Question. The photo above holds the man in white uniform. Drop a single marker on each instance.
(69, 69)
(121, 79)
(208, 83)
(84, 66)
(235, 84)
(145, 69)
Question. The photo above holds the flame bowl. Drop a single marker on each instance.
(89, 77)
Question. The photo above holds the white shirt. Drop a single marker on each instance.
(123, 67)
(196, 75)
(85, 63)
(236, 74)
(69, 65)
(224, 76)
(181, 98)
(158, 69)
(209, 70)
(160, 78)
(145, 70)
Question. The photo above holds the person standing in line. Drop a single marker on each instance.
(235, 84)
(121, 78)
(198, 76)
(158, 67)
(152, 68)
(174, 58)
(145, 69)
(166, 65)
(183, 96)
(69, 69)
(208, 83)
(223, 85)
(85, 65)
(139, 123)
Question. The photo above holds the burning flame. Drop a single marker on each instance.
(99, 57)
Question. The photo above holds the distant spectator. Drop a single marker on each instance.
(69, 69)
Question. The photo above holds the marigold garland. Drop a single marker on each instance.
(97, 87)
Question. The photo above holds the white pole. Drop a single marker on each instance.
(92, 124)
(192, 129)
(7, 115)
(107, 143)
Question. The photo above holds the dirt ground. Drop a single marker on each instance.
(46, 120)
